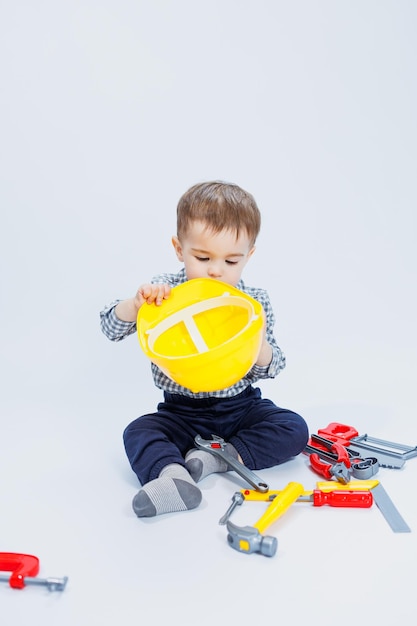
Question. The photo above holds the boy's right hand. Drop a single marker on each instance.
(127, 310)
(151, 293)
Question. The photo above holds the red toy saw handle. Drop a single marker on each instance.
(338, 431)
(20, 565)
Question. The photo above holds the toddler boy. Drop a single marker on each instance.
(217, 227)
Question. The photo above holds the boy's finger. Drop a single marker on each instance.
(163, 293)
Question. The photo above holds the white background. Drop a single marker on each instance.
(109, 111)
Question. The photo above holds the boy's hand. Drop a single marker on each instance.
(127, 310)
(151, 293)
(265, 353)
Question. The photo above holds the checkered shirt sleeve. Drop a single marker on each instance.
(112, 327)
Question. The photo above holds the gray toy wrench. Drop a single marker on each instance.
(217, 447)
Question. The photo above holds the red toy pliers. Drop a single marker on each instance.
(339, 468)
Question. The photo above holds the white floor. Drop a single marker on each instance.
(66, 493)
(110, 111)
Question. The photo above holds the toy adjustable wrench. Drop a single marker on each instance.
(217, 447)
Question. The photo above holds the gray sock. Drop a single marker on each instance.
(174, 490)
(201, 463)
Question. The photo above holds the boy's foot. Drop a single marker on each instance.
(174, 490)
(201, 463)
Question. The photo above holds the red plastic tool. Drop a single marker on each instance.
(341, 433)
(356, 499)
(21, 565)
(386, 453)
(339, 469)
(24, 569)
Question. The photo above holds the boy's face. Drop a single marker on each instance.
(213, 255)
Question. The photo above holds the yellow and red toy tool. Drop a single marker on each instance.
(24, 568)
(381, 499)
(341, 497)
(249, 539)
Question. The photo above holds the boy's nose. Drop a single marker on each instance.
(214, 271)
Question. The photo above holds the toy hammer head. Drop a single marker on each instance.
(248, 539)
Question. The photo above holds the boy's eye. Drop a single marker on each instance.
(204, 259)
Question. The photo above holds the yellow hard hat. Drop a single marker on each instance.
(206, 336)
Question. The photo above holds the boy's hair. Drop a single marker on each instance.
(220, 206)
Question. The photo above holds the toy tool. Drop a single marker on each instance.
(317, 497)
(249, 539)
(217, 447)
(388, 453)
(340, 497)
(237, 499)
(342, 462)
(24, 568)
(355, 499)
(339, 466)
(381, 499)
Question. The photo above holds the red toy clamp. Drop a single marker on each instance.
(21, 565)
(24, 569)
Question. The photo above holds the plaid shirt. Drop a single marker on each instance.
(116, 330)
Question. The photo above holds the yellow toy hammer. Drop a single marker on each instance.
(249, 538)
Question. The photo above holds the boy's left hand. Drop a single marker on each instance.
(265, 353)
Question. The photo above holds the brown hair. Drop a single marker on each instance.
(221, 206)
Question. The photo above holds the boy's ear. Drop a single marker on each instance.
(177, 248)
(251, 252)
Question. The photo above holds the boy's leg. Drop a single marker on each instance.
(259, 433)
(269, 435)
(174, 490)
(160, 466)
(201, 463)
